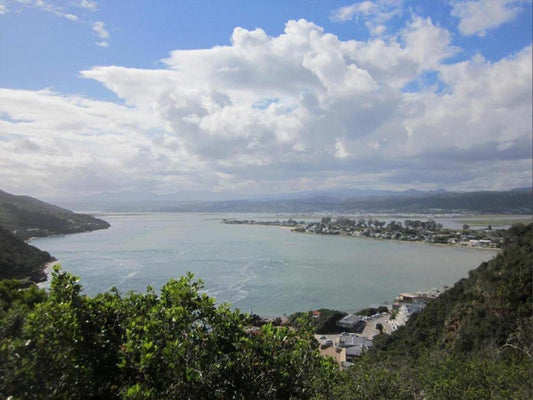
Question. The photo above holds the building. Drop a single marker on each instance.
(351, 322)
(354, 345)
(350, 340)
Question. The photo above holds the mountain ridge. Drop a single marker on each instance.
(27, 217)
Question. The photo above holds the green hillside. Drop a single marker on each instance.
(479, 313)
(27, 217)
(475, 341)
(19, 260)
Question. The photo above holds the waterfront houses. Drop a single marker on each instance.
(418, 231)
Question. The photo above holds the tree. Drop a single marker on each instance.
(175, 344)
(325, 220)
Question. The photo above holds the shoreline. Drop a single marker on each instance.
(46, 269)
(458, 246)
(494, 249)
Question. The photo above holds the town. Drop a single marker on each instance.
(416, 231)
(344, 337)
(360, 329)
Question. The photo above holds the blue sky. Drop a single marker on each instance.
(366, 94)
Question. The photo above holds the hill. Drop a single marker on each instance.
(27, 217)
(480, 313)
(516, 201)
(473, 342)
(19, 260)
(507, 202)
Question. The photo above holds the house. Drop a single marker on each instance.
(350, 340)
(407, 297)
(354, 345)
(351, 322)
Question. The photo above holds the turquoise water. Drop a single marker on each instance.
(269, 270)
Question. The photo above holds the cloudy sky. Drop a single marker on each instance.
(256, 97)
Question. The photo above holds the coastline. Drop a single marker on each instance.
(293, 230)
(46, 269)
(494, 249)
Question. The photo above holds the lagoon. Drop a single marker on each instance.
(266, 270)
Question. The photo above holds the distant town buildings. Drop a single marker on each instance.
(427, 231)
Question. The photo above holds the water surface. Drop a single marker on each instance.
(267, 270)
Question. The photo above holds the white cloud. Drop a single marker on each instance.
(340, 150)
(89, 5)
(486, 103)
(274, 114)
(419, 47)
(3, 9)
(49, 7)
(347, 13)
(375, 14)
(478, 16)
(100, 30)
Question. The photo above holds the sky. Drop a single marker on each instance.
(239, 98)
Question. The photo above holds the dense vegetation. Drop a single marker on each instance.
(480, 313)
(19, 260)
(322, 321)
(175, 345)
(473, 342)
(367, 312)
(27, 217)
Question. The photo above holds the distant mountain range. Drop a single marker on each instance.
(336, 201)
(27, 217)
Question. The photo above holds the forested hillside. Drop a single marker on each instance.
(27, 217)
(19, 260)
(473, 342)
(480, 313)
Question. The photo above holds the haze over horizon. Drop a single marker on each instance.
(238, 99)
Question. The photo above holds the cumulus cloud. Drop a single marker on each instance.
(273, 114)
(478, 16)
(3, 9)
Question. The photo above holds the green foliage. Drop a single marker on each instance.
(177, 344)
(374, 377)
(367, 312)
(323, 321)
(19, 260)
(479, 312)
(444, 376)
